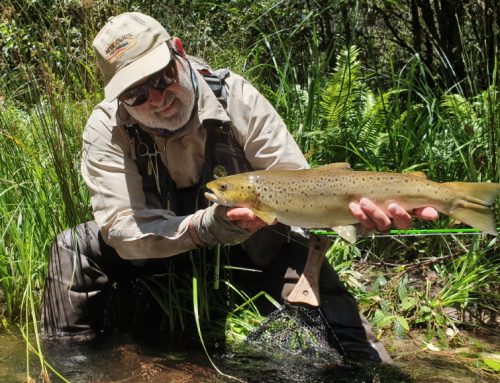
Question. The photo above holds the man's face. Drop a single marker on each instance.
(169, 108)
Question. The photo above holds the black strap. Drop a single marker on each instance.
(215, 81)
(150, 182)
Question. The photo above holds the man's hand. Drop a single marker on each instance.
(372, 217)
(245, 218)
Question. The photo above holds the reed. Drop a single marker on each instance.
(41, 193)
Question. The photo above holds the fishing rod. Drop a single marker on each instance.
(395, 233)
(409, 232)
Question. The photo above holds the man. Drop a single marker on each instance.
(159, 135)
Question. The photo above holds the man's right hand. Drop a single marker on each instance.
(372, 217)
(245, 218)
(212, 226)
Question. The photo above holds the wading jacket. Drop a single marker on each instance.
(144, 217)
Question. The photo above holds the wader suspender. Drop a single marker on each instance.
(156, 181)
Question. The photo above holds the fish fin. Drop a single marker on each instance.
(348, 232)
(473, 203)
(418, 174)
(474, 215)
(336, 165)
(480, 193)
(267, 217)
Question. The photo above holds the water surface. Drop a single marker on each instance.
(121, 359)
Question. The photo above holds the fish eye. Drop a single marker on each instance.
(223, 187)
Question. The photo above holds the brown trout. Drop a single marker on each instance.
(319, 198)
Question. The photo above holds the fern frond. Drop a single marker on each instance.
(343, 92)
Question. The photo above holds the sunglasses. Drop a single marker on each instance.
(161, 80)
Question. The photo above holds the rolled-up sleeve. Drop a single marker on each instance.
(117, 198)
(259, 128)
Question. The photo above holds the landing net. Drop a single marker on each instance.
(300, 331)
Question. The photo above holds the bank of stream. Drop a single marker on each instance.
(120, 359)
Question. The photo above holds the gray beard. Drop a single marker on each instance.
(154, 121)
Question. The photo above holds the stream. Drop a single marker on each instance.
(120, 359)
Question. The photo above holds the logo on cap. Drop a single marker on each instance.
(119, 46)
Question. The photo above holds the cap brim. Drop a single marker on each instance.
(144, 66)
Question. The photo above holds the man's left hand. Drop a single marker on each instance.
(372, 217)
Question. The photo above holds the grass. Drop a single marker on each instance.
(41, 194)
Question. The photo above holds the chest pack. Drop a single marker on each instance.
(223, 155)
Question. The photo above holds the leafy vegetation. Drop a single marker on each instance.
(382, 85)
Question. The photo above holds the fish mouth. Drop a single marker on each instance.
(215, 199)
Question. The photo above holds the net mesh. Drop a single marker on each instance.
(300, 331)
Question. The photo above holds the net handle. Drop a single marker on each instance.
(306, 291)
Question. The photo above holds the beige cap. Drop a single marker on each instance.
(130, 47)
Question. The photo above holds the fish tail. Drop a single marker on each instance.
(473, 204)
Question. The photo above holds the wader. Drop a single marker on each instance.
(83, 269)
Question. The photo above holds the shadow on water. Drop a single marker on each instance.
(122, 359)
(253, 366)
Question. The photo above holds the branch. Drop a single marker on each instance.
(394, 30)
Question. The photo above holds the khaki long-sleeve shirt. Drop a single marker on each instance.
(137, 231)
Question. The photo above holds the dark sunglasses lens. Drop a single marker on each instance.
(135, 96)
(162, 80)
(165, 78)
